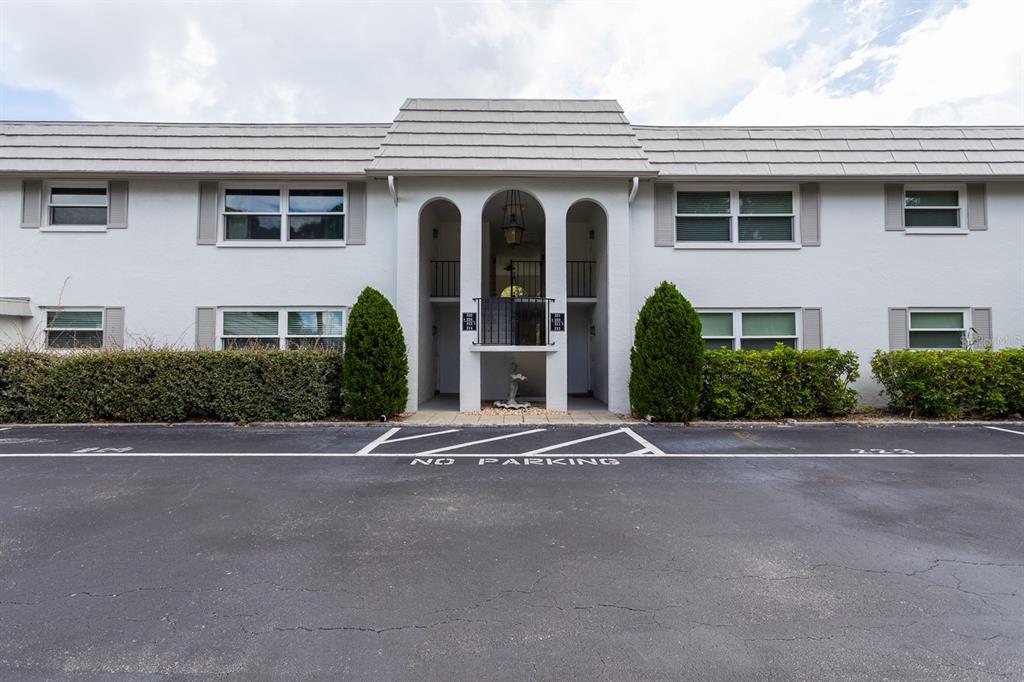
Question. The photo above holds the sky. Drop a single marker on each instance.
(717, 62)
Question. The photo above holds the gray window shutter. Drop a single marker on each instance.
(981, 322)
(894, 208)
(899, 336)
(117, 198)
(976, 214)
(209, 218)
(810, 214)
(812, 329)
(206, 328)
(664, 215)
(113, 327)
(355, 214)
(31, 203)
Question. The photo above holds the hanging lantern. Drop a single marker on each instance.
(513, 222)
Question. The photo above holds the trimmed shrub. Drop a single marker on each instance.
(952, 383)
(667, 358)
(168, 385)
(778, 383)
(376, 381)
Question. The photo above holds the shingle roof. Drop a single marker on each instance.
(834, 151)
(188, 148)
(452, 136)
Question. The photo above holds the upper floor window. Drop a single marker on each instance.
(283, 329)
(731, 216)
(757, 329)
(931, 207)
(285, 214)
(74, 328)
(74, 205)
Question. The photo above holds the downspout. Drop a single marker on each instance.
(633, 189)
(394, 192)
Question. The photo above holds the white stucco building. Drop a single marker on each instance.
(210, 235)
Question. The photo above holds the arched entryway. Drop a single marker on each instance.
(586, 240)
(440, 281)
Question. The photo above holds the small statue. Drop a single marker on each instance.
(513, 391)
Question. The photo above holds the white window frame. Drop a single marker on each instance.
(282, 321)
(968, 325)
(737, 325)
(734, 215)
(76, 309)
(961, 207)
(283, 240)
(50, 185)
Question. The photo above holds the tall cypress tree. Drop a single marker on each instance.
(375, 376)
(667, 359)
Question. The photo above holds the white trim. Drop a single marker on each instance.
(283, 240)
(960, 208)
(102, 329)
(46, 225)
(282, 322)
(737, 325)
(734, 215)
(966, 321)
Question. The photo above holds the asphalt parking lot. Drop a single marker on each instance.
(325, 552)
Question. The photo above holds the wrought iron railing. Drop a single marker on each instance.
(512, 321)
(579, 276)
(444, 278)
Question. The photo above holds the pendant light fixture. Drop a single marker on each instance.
(513, 221)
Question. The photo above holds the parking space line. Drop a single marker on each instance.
(636, 454)
(418, 435)
(366, 449)
(478, 442)
(558, 446)
(648, 445)
(997, 428)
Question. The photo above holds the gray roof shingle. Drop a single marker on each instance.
(841, 151)
(521, 137)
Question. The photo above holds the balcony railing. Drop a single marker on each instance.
(579, 275)
(512, 321)
(444, 278)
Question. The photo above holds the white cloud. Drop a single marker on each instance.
(666, 62)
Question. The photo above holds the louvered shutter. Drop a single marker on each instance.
(810, 214)
(206, 328)
(117, 201)
(812, 329)
(355, 214)
(894, 208)
(209, 218)
(981, 322)
(31, 203)
(977, 215)
(113, 327)
(899, 336)
(664, 215)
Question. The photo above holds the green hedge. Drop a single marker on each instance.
(952, 383)
(778, 383)
(168, 386)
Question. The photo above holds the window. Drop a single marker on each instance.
(736, 216)
(937, 329)
(74, 329)
(759, 330)
(299, 214)
(283, 329)
(933, 208)
(77, 206)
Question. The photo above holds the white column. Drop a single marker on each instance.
(471, 255)
(554, 256)
(407, 290)
(620, 319)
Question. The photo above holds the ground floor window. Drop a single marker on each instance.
(74, 328)
(283, 329)
(757, 329)
(937, 329)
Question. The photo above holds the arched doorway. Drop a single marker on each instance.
(586, 268)
(440, 282)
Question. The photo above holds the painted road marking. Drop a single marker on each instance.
(558, 446)
(996, 428)
(478, 442)
(366, 449)
(101, 451)
(648, 445)
(418, 435)
(639, 454)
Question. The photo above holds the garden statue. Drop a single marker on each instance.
(513, 391)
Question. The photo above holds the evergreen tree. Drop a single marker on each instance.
(375, 377)
(667, 359)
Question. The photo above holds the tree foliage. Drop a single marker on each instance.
(376, 375)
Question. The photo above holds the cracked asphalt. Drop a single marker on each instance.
(373, 568)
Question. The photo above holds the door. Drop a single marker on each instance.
(578, 343)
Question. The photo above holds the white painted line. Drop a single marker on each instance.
(572, 442)
(641, 451)
(478, 442)
(637, 454)
(648, 445)
(419, 435)
(368, 448)
(996, 428)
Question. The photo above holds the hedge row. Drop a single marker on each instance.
(780, 383)
(168, 386)
(952, 383)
